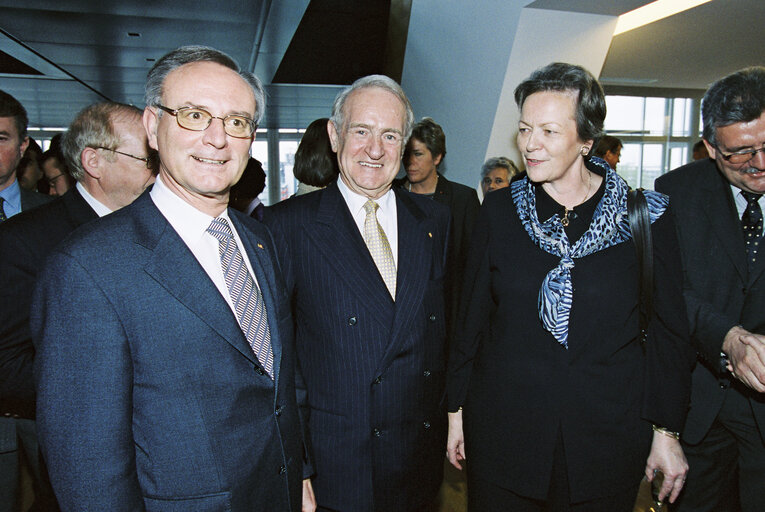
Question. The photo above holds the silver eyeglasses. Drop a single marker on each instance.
(198, 119)
(145, 159)
(740, 157)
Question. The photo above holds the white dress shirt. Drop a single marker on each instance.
(386, 213)
(191, 225)
(100, 208)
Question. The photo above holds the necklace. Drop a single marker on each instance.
(565, 221)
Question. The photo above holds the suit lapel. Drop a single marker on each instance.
(336, 235)
(716, 202)
(415, 250)
(175, 268)
(262, 266)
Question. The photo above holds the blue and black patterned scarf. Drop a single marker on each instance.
(609, 226)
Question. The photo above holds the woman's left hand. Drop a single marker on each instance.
(667, 456)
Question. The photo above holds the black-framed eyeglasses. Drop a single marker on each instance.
(740, 157)
(198, 119)
(145, 159)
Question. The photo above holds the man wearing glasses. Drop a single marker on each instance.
(105, 182)
(164, 367)
(719, 206)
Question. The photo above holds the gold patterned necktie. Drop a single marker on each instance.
(379, 248)
(245, 294)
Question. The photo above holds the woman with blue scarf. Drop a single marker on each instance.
(556, 404)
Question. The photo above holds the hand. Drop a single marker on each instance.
(667, 456)
(309, 500)
(746, 353)
(455, 442)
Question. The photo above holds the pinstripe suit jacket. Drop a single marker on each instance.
(373, 368)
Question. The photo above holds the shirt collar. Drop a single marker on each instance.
(190, 223)
(12, 195)
(100, 208)
(356, 201)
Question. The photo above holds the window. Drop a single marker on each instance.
(657, 133)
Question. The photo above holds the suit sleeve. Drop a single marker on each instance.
(708, 324)
(84, 379)
(18, 268)
(473, 313)
(670, 356)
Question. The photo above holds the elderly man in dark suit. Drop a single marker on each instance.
(718, 204)
(365, 266)
(164, 367)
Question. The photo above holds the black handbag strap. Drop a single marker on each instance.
(640, 227)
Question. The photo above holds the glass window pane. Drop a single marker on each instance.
(681, 117)
(654, 116)
(629, 163)
(652, 164)
(288, 183)
(625, 114)
(678, 155)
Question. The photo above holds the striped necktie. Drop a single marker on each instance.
(245, 295)
(379, 248)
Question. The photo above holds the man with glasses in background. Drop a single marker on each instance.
(164, 365)
(104, 183)
(719, 203)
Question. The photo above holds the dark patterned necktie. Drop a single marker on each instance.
(751, 223)
(245, 295)
(2, 211)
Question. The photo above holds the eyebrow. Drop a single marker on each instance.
(232, 113)
(384, 130)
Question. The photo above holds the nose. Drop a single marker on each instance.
(214, 134)
(530, 140)
(375, 147)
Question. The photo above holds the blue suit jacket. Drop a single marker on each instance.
(373, 368)
(148, 394)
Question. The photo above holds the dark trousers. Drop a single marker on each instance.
(486, 497)
(727, 469)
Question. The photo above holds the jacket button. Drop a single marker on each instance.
(282, 470)
(377, 432)
(432, 318)
(426, 373)
(278, 411)
(377, 380)
(426, 424)
(352, 320)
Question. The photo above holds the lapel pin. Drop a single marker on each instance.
(430, 234)
(260, 246)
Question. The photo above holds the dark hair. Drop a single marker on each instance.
(432, 135)
(10, 107)
(315, 162)
(607, 143)
(736, 98)
(251, 184)
(562, 77)
(188, 55)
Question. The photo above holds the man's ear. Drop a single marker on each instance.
(90, 160)
(150, 122)
(23, 146)
(333, 135)
(710, 149)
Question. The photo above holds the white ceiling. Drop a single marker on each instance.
(89, 40)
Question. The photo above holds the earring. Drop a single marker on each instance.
(585, 150)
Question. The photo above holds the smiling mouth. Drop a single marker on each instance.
(373, 166)
(208, 161)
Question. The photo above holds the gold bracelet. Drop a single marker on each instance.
(666, 432)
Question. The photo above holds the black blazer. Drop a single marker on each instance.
(719, 291)
(31, 199)
(26, 240)
(520, 388)
(374, 369)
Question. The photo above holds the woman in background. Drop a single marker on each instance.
(315, 162)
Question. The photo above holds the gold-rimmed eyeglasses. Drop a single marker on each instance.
(198, 119)
(740, 157)
(145, 159)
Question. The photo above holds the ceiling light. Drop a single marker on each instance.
(654, 11)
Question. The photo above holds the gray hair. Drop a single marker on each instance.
(499, 161)
(190, 54)
(93, 127)
(736, 98)
(381, 82)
